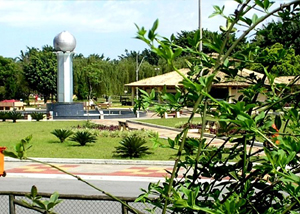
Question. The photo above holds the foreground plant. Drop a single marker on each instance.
(240, 181)
(38, 204)
(132, 147)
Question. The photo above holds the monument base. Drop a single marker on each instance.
(65, 110)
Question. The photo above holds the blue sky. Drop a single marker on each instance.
(99, 26)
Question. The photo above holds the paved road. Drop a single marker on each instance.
(73, 186)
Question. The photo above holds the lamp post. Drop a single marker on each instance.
(200, 25)
(137, 73)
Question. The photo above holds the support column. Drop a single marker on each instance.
(133, 95)
(230, 94)
(65, 76)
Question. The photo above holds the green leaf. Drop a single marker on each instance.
(10, 154)
(254, 19)
(155, 25)
(50, 205)
(152, 94)
(171, 142)
(41, 204)
(177, 52)
(266, 4)
(226, 63)
(260, 117)
(54, 197)
(259, 3)
(278, 122)
(34, 191)
(246, 20)
(215, 45)
(151, 35)
(234, 175)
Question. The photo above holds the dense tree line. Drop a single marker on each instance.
(35, 70)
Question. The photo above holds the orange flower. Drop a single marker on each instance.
(274, 136)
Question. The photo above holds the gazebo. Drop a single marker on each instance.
(226, 87)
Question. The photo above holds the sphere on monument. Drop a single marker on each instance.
(64, 41)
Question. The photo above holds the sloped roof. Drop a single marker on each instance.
(287, 79)
(9, 101)
(174, 79)
(167, 79)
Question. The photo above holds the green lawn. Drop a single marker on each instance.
(44, 144)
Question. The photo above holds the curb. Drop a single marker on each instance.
(153, 125)
(96, 161)
(86, 177)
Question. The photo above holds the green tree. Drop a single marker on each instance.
(92, 76)
(186, 38)
(40, 70)
(285, 31)
(289, 65)
(9, 76)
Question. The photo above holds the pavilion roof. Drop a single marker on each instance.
(174, 79)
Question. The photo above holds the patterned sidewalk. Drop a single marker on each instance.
(88, 169)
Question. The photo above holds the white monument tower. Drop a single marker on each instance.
(64, 43)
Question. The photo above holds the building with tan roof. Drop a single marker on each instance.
(225, 86)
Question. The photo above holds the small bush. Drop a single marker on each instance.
(115, 134)
(3, 116)
(124, 134)
(104, 133)
(62, 134)
(83, 137)
(37, 116)
(14, 116)
(132, 147)
(89, 125)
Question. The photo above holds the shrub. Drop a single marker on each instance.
(104, 133)
(132, 147)
(62, 134)
(3, 115)
(124, 134)
(83, 137)
(37, 116)
(14, 115)
(89, 125)
(115, 134)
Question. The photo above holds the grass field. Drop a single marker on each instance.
(44, 144)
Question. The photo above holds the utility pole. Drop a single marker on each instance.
(200, 25)
(137, 73)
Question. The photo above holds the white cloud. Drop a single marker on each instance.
(100, 26)
(94, 16)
